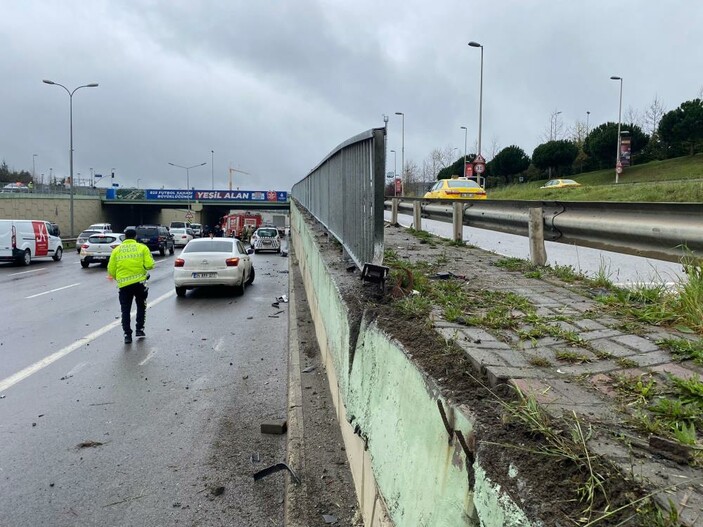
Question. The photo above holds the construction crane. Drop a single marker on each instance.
(235, 170)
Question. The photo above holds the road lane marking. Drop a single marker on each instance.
(52, 290)
(219, 344)
(153, 352)
(25, 272)
(46, 361)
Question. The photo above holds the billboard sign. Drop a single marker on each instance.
(625, 150)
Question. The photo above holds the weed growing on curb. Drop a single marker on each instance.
(683, 349)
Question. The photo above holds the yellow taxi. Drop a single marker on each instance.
(561, 183)
(456, 188)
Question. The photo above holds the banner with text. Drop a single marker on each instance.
(268, 196)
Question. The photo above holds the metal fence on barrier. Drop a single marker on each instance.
(345, 193)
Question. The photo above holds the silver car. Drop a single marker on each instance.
(218, 262)
(83, 237)
(99, 247)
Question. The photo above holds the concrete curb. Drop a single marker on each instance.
(295, 456)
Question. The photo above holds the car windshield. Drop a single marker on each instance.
(458, 183)
(178, 231)
(267, 233)
(102, 238)
(209, 246)
(86, 234)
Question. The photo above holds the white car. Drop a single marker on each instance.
(213, 262)
(266, 239)
(99, 247)
(181, 237)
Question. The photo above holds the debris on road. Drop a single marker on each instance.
(275, 468)
(217, 491)
(274, 427)
(329, 519)
(255, 458)
(89, 444)
(309, 369)
(282, 298)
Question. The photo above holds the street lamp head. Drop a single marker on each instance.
(475, 44)
(48, 82)
(399, 113)
(393, 151)
(92, 85)
(463, 127)
(615, 78)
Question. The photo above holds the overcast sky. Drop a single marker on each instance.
(273, 86)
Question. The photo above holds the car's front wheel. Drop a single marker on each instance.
(162, 251)
(85, 264)
(58, 254)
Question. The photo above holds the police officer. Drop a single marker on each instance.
(128, 265)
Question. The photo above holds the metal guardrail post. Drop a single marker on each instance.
(417, 219)
(538, 253)
(394, 211)
(458, 222)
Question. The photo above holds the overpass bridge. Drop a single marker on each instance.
(144, 206)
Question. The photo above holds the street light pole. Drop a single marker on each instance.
(480, 95)
(212, 166)
(402, 151)
(466, 135)
(617, 154)
(588, 115)
(395, 173)
(187, 169)
(33, 168)
(70, 157)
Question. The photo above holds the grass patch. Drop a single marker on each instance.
(540, 362)
(424, 236)
(683, 349)
(573, 357)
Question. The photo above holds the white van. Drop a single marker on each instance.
(22, 240)
(104, 227)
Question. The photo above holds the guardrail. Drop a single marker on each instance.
(345, 193)
(664, 231)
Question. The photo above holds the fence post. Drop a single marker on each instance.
(417, 222)
(458, 222)
(535, 225)
(394, 211)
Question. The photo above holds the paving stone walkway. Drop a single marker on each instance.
(587, 387)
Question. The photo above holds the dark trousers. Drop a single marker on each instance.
(127, 293)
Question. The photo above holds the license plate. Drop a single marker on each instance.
(466, 195)
(204, 275)
(267, 242)
(99, 257)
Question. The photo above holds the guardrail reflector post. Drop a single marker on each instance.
(458, 222)
(535, 224)
(417, 222)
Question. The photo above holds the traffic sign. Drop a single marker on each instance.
(479, 167)
(189, 215)
(618, 169)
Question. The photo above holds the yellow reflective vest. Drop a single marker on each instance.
(129, 263)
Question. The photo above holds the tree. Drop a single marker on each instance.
(558, 155)
(601, 143)
(653, 115)
(436, 161)
(456, 168)
(683, 126)
(509, 162)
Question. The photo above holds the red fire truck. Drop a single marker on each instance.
(237, 222)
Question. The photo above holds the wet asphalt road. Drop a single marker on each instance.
(165, 431)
